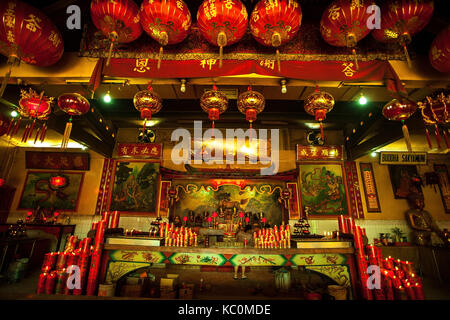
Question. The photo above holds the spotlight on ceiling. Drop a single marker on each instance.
(183, 85)
(362, 99)
(373, 154)
(283, 86)
(107, 97)
(14, 114)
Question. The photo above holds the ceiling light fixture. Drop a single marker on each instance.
(107, 97)
(283, 86)
(362, 99)
(14, 114)
(183, 85)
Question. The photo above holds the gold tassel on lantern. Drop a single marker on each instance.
(222, 42)
(355, 58)
(407, 137)
(163, 41)
(113, 38)
(276, 42)
(66, 136)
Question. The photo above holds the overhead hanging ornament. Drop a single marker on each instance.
(400, 110)
(215, 103)
(435, 112)
(73, 104)
(116, 19)
(148, 103)
(440, 51)
(166, 21)
(222, 22)
(344, 23)
(401, 19)
(251, 103)
(273, 23)
(27, 35)
(318, 104)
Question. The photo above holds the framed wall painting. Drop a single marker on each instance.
(444, 185)
(370, 187)
(401, 179)
(135, 187)
(293, 202)
(323, 190)
(37, 192)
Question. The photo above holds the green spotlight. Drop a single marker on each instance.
(362, 100)
(14, 114)
(107, 97)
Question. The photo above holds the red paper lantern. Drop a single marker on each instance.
(27, 34)
(435, 112)
(344, 23)
(400, 110)
(36, 107)
(166, 21)
(73, 104)
(440, 51)
(251, 103)
(318, 104)
(273, 23)
(401, 19)
(116, 19)
(58, 182)
(147, 102)
(215, 103)
(222, 22)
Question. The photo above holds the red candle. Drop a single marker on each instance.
(418, 291)
(92, 279)
(106, 216)
(358, 240)
(41, 283)
(400, 293)
(62, 260)
(49, 261)
(363, 232)
(115, 219)
(94, 225)
(408, 267)
(99, 234)
(410, 291)
(351, 225)
(50, 283)
(342, 224)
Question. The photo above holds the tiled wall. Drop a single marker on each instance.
(373, 227)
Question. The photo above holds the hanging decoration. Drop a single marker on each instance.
(36, 107)
(318, 104)
(4, 124)
(435, 112)
(27, 35)
(116, 19)
(166, 21)
(147, 102)
(215, 103)
(401, 110)
(222, 22)
(440, 51)
(344, 23)
(58, 181)
(251, 103)
(401, 19)
(273, 23)
(73, 104)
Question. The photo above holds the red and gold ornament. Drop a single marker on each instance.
(73, 104)
(222, 22)
(273, 23)
(166, 21)
(440, 51)
(147, 102)
(58, 181)
(401, 19)
(318, 104)
(214, 102)
(27, 35)
(251, 103)
(116, 19)
(435, 112)
(400, 110)
(344, 23)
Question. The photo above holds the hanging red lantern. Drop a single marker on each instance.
(58, 181)
(27, 34)
(318, 104)
(147, 102)
(73, 104)
(273, 23)
(215, 103)
(35, 107)
(400, 110)
(435, 112)
(344, 23)
(401, 19)
(222, 22)
(116, 19)
(166, 21)
(440, 51)
(251, 103)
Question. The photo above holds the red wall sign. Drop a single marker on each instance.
(148, 150)
(57, 160)
(309, 153)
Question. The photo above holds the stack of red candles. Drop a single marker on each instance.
(273, 238)
(178, 237)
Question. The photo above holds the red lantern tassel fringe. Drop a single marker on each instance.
(355, 58)
(10, 126)
(407, 137)
(16, 127)
(37, 135)
(25, 132)
(446, 138)
(438, 136)
(31, 130)
(430, 145)
(43, 132)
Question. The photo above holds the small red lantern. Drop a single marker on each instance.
(247, 219)
(318, 104)
(58, 181)
(166, 21)
(264, 220)
(2, 182)
(400, 110)
(273, 23)
(401, 19)
(440, 51)
(214, 214)
(241, 214)
(147, 102)
(215, 103)
(73, 104)
(344, 23)
(36, 107)
(251, 103)
(435, 112)
(222, 22)
(27, 34)
(116, 19)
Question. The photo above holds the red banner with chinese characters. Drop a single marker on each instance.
(370, 187)
(56, 160)
(308, 153)
(148, 150)
(354, 193)
(294, 206)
